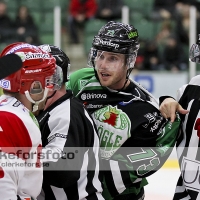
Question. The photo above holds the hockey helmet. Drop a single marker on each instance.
(194, 54)
(37, 66)
(62, 59)
(116, 37)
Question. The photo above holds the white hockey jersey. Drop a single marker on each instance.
(20, 143)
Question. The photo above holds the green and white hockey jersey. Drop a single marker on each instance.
(135, 139)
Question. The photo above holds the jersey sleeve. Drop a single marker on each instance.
(79, 79)
(73, 82)
(58, 126)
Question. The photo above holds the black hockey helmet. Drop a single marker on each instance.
(116, 37)
(62, 59)
(194, 54)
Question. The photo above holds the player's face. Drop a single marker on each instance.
(111, 69)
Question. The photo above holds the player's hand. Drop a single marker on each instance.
(169, 107)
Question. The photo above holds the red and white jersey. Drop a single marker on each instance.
(20, 142)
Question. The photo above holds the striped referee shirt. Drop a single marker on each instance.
(71, 149)
(188, 185)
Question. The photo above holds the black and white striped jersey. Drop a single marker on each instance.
(71, 149)
(188, 186)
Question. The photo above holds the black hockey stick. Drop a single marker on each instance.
(9, 64)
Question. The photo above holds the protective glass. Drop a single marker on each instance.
(57, 78)
(194, 54)
(53, 82)
(110, 60)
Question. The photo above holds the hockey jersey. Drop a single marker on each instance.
(188, 185)
(20, 145)
(135, 140)
(71, 169)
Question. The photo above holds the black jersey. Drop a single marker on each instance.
(135, 140)
(68, 131)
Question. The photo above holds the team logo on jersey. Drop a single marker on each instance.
(151, 118)
(155, 119)
(5, 84)
(86, 96)
(113, 126)
(91, 106)
(111, 116)
(82, 84)
(156, 126)
(16, 104)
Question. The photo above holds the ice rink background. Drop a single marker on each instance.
(162, 184)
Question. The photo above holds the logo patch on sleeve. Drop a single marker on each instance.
(5, 84)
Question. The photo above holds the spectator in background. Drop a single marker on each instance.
(164, 9)
(173, 56)
(195, 3)
(6, 31)
(165, 31)
(139, 63)
(79, 12)
(183, 20)
(26, 29)
(109, 9)
(151, 56)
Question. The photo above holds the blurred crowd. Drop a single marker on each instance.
(22, 28)
(166, 50)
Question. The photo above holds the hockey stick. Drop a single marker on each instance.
(9, 64)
